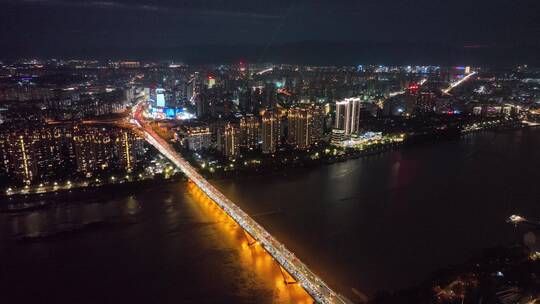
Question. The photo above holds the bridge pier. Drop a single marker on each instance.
(287, 278)
(251, 241)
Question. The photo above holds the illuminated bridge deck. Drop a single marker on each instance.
(313, 285)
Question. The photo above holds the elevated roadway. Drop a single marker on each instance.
(313, 285)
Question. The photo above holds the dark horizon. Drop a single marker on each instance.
(305, 52)
(494, 33)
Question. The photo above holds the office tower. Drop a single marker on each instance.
(202, 105)
(160, 98)
(190, 91)
(211, 82)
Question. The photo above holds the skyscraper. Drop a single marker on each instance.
(298, 127)
(270, 131)
(201, 105)
(231, 138)
(348, 115)
(317, 123)
(211, 82)
(160, 98)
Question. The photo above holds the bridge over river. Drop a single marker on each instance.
(313, 284)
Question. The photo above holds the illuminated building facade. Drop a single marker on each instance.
(338, 136)
(97, 149)
(317, 123)
(231, 136)
(348, 115)
(249, 131)
(270, 131)
(37, 154)
(199, 138)
(305, 126)
(211, 82)
(160, 98)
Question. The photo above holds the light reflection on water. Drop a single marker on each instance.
(170, 244)
(251, 256)
(383, 222)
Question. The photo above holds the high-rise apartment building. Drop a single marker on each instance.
(35, 154)
(305, 126)
(270, 131)
(199, 138)
(231, 140)
(249, 131)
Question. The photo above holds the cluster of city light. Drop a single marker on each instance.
(47, 187)
(480, 125)
(298, 270)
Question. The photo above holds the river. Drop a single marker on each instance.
(381, 222)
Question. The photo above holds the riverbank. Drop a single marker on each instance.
(257, 165)
(32, 201)
(388, 221)
(499, 275)
(379, 223)
(268, 166)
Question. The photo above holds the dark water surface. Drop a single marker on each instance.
(163, 245)
(383, 222)
(389, 221)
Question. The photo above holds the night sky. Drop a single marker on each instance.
(160, 28)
